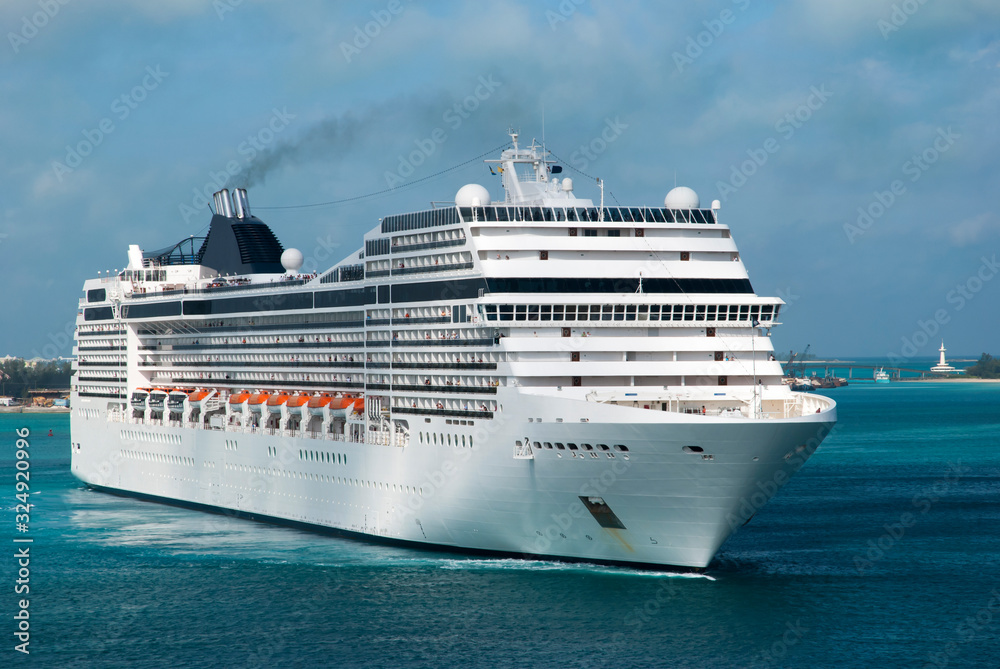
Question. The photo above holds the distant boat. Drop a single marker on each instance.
(881, 376)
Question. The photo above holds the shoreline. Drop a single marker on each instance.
(34, 409)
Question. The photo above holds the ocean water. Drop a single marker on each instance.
(884, 551)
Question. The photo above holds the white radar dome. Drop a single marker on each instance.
(291, 260)
(472, 195)
(681, 197)
(567, 184)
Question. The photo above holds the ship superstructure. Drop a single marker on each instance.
(539, 375)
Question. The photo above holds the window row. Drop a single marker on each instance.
(630, 312)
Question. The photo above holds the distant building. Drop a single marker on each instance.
(943, 367)
(9, 401)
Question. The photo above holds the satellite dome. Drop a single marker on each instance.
(291, 260)
(681, 197)
(472, 195)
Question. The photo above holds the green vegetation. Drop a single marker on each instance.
(17, 378)
(988, 367)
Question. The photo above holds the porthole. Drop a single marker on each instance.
(693, 449)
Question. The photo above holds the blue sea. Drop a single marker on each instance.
(884, 551)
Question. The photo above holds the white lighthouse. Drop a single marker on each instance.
(943, 367)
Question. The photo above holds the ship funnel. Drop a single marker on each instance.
(241, 204)
(223, 204)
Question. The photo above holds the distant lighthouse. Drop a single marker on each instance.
(943, 367)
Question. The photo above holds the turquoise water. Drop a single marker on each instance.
(832, 573)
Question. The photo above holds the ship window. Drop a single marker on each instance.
(755, 312)
(621, 447)
(506, 312)
(589, 233)
(587, 447)
(700, 312)
(744, 312)
(614, 233)
(572, 447)
(532, 312)
(536, 214)
(570, 313)
(619, 312)
(548, 445)
(96, 295)
(636, 214)
(560, 446)
(689, 312)
(571, 216)
(693, 449)
(491, 214)
(521, 311)
(501, 213)
(607, 312)
(711, 312)
(614, 214)
(546, 312)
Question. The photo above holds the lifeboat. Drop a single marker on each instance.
(175, 400)
(341, 407)
(297, 402)
(195, 399)
(317, 402)
(237, 399)
(139, 396)
(157, 397)
(257, 401)
(276, 400)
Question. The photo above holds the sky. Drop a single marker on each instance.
(853, 144)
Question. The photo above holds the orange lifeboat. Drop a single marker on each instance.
(258, 400)
(317, 402)
(276, 400)
(342, 406)
(296, 402)
(195, 398)
(237, 399)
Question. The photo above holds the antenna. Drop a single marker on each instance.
(543, 130)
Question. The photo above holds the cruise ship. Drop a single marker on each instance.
(536, 375)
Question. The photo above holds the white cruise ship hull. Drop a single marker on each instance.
(539, 375)
(676, 507)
